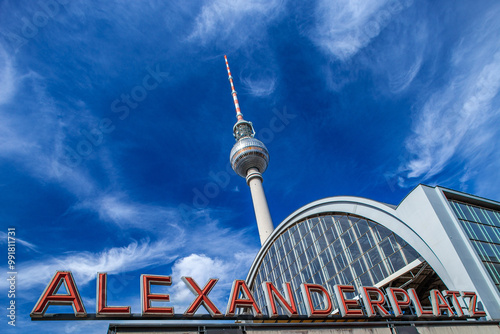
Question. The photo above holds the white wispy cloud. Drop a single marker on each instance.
(399, 56)
(7, 77)
(4, 240)
(344, 27)
(11, 141)
(38, 137)
(399, 81)
(340, 29)
(116, 208)
(217, 240)
(212, 241)
(261, 86)
(449, 117)
(34, 135)
(85, 265)
(234, 21)
(456, 121)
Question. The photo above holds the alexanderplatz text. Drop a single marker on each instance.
(373, 302)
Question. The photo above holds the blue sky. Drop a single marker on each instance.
(116, 126)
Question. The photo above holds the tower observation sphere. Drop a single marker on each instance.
(249, 159)
(249, 152)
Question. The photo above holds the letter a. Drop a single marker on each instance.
(51, 297)
(247, 300)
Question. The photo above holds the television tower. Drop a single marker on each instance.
(249, 159)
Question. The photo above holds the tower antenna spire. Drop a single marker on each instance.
(239, 115)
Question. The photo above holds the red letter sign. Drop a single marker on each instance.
(345, 304)
(147, 297)
(473, 312)
(374, 305)
(50, 296)
(439, 303)
(306, 294)
(101, 302)
(418, 306)
(396, 303)
(202, 297)
(287, 303)
(452, 295)
(247, 301)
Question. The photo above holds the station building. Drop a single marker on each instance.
(436, 238)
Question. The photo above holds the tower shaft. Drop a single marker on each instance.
(262, 214)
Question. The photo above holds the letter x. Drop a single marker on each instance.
(202, 297)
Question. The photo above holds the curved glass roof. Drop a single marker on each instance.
(329, 249)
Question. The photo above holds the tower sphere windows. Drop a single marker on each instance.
(249, 153)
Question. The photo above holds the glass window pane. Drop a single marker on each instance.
(291, 257)
(307, 239)
(328, 221)
(311, 253)
(340, 262)
(386, 247)
(410, 254)
(465, 212)
(493, 272)
(354, 251)
(364, 243)
(494, 217)
(322, 243)
(300, 248)
(316, 231)
(347, 237)
(337, 247)
(366, 280)
(325, 257)
(377, 274)
(293, 270)
(348, 275)
(281, 253)
(330, 235)
(397, 261)
(330, 270)
(303, 229)
(295, 237)
(344, 224)
(287, 246)
(315, 265)
(374, 256)
(362, 226)
(359, 268)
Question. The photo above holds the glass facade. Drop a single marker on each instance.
(482, 226)
(336, 248)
